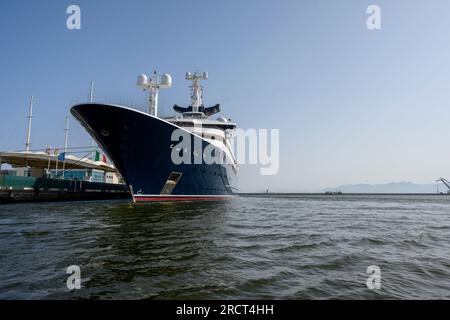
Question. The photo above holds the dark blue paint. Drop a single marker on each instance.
(139, 145)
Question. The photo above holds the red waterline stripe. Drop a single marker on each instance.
(180, 198)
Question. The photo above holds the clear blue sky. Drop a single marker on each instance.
(352, 105)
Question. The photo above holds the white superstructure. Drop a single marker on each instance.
(195, 118)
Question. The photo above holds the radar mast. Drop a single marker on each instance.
(196, 88)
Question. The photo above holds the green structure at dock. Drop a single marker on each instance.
(29, 179)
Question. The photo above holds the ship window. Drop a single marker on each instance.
(171, 183)
(174, 176)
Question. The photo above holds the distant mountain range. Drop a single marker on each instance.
(394, 187)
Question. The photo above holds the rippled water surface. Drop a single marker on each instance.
(283, 247)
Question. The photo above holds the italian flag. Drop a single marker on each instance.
(98, 154)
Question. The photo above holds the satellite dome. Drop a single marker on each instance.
(166, 81)
(142, 80)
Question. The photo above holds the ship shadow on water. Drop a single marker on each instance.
(152, 248)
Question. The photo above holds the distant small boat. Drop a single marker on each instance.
(333, 192)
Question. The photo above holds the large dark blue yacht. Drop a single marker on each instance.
(166, 159)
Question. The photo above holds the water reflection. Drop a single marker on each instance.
(250, 248)
(155, 241)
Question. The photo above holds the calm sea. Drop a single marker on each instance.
(268, 247)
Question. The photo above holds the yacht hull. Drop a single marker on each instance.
(140, 146)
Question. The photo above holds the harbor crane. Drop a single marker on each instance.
(446, 182)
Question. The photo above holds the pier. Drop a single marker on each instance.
(20, 189)
(33, 179)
